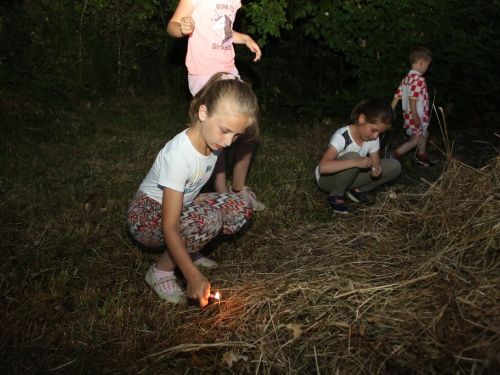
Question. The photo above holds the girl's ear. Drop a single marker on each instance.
(202, 112)
(362, 119)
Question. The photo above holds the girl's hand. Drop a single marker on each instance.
(187, 25)
(364, 163)
(254, 47)
(199, 288)
(376, 171)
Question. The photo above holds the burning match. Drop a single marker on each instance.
(212, 298)
(215, 296)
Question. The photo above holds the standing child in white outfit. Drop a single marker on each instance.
(209, 26)
(168, 209)
(351, 165)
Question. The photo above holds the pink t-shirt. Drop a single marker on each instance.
(210, 46)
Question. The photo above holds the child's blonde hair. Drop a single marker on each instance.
(418, 53)
(224, 88)
(376, 111)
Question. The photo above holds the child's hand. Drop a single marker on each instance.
(417, 121)
(199, 288)
(254, 47)
(187, 25)
(364, 163)
(376, 171)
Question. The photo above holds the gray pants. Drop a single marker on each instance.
(355, 178)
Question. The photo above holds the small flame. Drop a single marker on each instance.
(217, 295)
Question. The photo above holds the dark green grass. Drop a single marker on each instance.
(72, 296)
(68, 266)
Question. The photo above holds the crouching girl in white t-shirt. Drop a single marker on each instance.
(351, 165)
(168, 208)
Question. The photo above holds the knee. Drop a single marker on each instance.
(396, 166)
(206, 219)
(236, 214)
(214, 219)
(415, 140)
(242, 207)
(391, 167)
(350, 155)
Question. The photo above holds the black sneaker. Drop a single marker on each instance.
(424, 163)
(337, 203)
(360, 197)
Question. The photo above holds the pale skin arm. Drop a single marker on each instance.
(198, 286)
(329, 163)
(240, 38)
(413, 108)
(181, 24)
(394, 103)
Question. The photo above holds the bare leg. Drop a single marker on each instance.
(219, 176)
(411, 144)
(166, 263)
(243, 152)
(423, 143)
(242, 159)
(241, 163)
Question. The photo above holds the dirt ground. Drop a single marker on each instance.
(475, 146)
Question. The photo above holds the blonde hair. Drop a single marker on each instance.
(418, 53)
(224, 88)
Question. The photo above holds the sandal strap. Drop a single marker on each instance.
(161, 281)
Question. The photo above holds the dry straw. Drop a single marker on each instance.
(414, 288)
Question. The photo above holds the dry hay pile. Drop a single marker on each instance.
(408, 286)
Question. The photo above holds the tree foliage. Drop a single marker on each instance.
(374, 37)
(267, 17)
(84, 48)
(317, 55)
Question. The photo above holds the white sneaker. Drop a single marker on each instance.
(246, 191)
(177, 295)
(201, 261)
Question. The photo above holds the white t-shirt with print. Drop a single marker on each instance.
(179, 166)
(343, 142)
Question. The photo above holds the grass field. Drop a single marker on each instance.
(304, 290)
